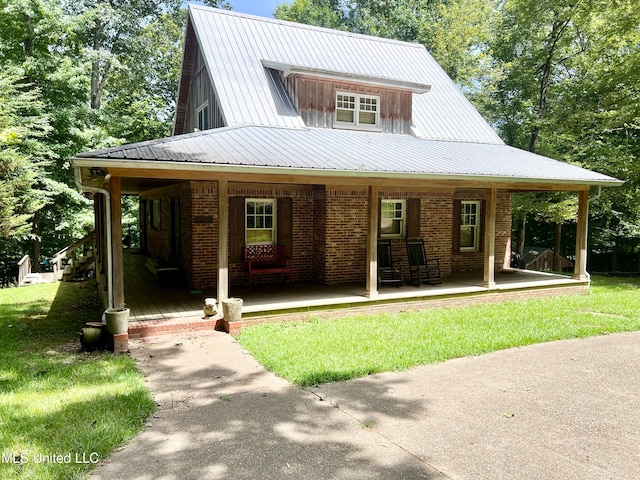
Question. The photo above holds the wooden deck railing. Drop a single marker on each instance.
(24, 268)
(70, 253)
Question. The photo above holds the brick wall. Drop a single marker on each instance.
(303, 228)
(346, 215)
(204, 225)
(467, 261)
(329, 230)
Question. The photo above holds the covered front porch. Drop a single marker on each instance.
(160, 308)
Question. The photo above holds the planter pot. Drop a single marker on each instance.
(92, 339)
(232, 309)
(117, 320)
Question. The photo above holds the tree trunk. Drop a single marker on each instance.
(36, 241)
(557, 30)
(557, 248)
(522, 233)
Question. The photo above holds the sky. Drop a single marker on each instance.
(264, 8)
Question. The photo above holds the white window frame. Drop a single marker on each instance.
(357, 97)
(204, 119)
(466, 220)
(402, 218)
(272, 202)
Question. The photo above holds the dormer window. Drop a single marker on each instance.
(357, 111)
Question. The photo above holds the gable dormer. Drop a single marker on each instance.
(329, 99)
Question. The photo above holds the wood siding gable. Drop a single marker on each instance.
(315, 99)
(195, 89)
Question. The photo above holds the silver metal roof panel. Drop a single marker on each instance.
(234, 46)
(316, 151)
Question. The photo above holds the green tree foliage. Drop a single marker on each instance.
(321, 13)
(22, 127)
(570, 91)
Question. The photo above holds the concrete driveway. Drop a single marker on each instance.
(560, 410)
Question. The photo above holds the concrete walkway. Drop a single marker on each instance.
(561, 410)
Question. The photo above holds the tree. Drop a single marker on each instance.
(321, 13)
(540, 44)
(32, 37)
(22, 127)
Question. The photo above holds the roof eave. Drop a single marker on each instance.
(264, 170)
(291, 70)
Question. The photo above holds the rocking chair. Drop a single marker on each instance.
(389, 270)
(421, 268)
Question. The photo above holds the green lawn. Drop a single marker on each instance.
(54, 399)
(323, 351)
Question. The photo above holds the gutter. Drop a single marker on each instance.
(89, 188)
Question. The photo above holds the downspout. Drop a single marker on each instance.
(107, 195)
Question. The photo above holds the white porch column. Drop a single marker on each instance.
(580, 267)
(372, 244)
(489, 280)
(223, 240)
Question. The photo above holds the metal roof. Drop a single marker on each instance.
(237, 46)
(319, 151)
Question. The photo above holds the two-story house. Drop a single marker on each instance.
(322, 141)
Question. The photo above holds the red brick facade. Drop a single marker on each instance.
(329, 230)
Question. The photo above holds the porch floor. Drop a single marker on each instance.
(150, 300)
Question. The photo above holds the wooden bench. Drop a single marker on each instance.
(263, 259)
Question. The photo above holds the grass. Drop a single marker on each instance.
(322, 351)
(54, 399)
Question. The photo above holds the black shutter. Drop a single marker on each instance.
(236, 229)
(285, 224)
(413, 218)
(482, 226)
(455, 234)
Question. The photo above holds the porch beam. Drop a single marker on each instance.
(223, 240)
(489, 280)
(580, 267)
(391, 182)
(372, 244)
(116, 242)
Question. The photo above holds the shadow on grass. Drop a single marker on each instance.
(53, 398)
(82, 428)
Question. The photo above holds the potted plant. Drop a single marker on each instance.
(117, 320)
(232, 309)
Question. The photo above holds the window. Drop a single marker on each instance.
(392, 218)
(203, 117)
(469, 226)
(259, 221)
(357, 110)
(155, 214)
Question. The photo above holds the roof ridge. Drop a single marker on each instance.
(305, 26)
